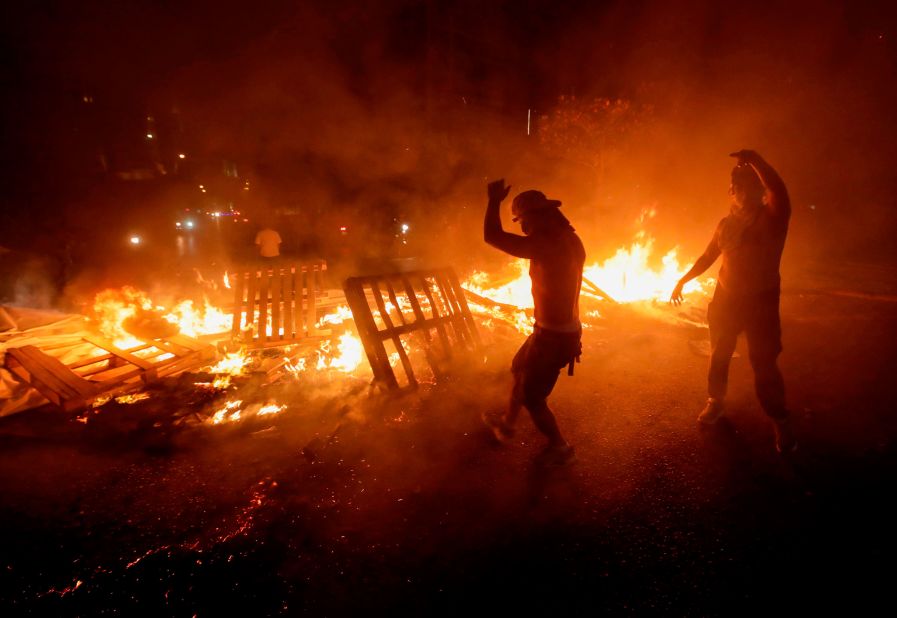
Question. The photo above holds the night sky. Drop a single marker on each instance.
(418, 102)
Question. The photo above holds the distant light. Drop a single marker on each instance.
(203, 190)
(135, 240)
(149, 136)
(343, 229)
(189, 224)
(246, 188)
(201, 186)
(216, 214)
(182, 156)
(178, 224)
(245, 220)
(404, 228)
(812, 206)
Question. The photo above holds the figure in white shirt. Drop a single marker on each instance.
(268, 241)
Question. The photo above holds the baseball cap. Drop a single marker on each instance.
(531, 201)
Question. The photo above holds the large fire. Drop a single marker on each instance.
(626, 277)
(632, 274)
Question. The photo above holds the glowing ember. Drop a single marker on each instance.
(294, 369)
(230, 412)
(337, 316)
(271, 408)
(132, 398)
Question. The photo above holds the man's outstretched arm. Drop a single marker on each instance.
(779, 202)
(700, 266)
(493, 234)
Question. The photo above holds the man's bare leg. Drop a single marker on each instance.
(545, 422)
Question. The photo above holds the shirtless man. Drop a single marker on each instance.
(556, 259)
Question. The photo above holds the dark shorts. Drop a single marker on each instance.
(539, 361)
(756, 315)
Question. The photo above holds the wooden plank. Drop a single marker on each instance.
(459, 328)
(146, 367)
(185, 342)
(49, 376)
(395, 301)
(251, 292)
(404, 329)
(52, 373)
(238, 283)
(440, 329)
(276, 302)
(311, 285)
(367, 331)
(264, 277)
(17, 369)
(289, 331)
(396, 339)
(456, 295)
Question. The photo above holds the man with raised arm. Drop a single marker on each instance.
(750, 240)
(556, 259)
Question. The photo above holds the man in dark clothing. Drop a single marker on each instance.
(556, 259)
(750, 240)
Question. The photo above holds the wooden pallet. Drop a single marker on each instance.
(278, 304)
(390, 308)
(75, 385)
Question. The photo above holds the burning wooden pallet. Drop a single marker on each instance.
(388, 307)
(278, 303)
(105, 369)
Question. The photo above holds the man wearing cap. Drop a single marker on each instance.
(556, 259)
(750, 240)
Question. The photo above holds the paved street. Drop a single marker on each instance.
(347, 503)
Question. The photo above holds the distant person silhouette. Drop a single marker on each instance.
(556, 259)
(750, 240)
(268, 241)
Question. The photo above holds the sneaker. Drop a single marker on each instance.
(556, 456)
(785, 440)
(712, 412)
(500, 429)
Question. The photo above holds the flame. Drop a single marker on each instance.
(336, 317)
(627, 276)
(132, 398)
(226, 280)
(229, 412)
(233, 363)
(294, 369)
(349, 355)
(193, 322)
(517, 292)
(112, 307)
(271, 408)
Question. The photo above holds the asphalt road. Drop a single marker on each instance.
(347, 503)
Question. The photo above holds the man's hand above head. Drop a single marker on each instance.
(497, 190)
